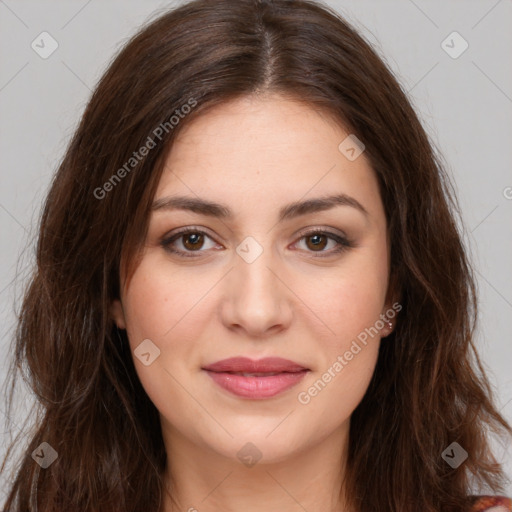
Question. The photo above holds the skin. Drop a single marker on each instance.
(256, 155)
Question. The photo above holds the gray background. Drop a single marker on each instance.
(465, 104)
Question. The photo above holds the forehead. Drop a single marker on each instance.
(271, 128)
(261, 153)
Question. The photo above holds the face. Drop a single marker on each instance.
(256, 278)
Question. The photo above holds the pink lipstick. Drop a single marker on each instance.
(259, 379)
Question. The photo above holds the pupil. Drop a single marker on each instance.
(316, 240)
(193, 239)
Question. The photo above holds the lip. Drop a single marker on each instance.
(227, 374)
(246, 365)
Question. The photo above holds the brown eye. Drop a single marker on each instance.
(317, 242)
(196, 241)
(187, 242)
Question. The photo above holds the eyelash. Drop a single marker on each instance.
(343, 243)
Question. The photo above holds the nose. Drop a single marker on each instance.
(257, 300)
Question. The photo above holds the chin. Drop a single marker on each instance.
(258, 447)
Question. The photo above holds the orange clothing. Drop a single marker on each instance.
(492, 504)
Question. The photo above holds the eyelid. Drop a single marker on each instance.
(322, 229)
(187, 229)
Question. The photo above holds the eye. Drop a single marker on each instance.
(317, 239)
(192, 240)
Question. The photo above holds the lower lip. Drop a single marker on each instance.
(257, 387)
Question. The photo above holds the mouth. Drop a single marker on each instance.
(259, 374)
(252, 379)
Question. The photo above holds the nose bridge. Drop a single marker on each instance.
(256, 298)
(252, 268)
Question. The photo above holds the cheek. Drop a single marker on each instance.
(339, 389)
(352, 312)
(350, 307)
(157, 299)
(160, 305)
(166, 306)
(351, 299)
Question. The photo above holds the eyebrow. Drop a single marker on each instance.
(292, 210)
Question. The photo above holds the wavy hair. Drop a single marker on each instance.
(429, 388)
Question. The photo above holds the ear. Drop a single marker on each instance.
(392, 306)
(117, 313)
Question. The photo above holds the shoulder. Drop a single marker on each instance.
(491, 504)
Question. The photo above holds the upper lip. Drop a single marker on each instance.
(265, 365)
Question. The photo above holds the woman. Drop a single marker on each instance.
(201, 337)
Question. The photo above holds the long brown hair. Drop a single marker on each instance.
(429, 388)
